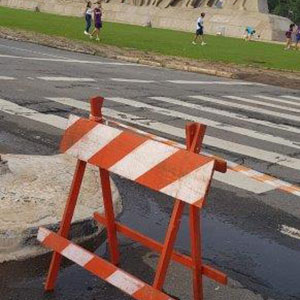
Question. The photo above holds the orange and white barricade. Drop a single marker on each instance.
(159, 165)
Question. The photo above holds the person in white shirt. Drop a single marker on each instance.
(200, 30)
(88, 17)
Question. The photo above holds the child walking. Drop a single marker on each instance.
(200, 30)
(88, 17)
(97, 20)
(288, 35)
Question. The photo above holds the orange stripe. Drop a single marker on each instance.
(290, 189)
(263, 177)
(100, 268)
(240, 168)
(75, 132)
(58, 245)
(148, 292)
(118, 148)
(177, 165)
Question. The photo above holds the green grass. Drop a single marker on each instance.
(161, 41)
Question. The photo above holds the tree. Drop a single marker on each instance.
(286, 8)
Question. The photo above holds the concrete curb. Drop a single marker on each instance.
(286, 79)
(137, 60)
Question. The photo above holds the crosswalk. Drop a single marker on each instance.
(272, 141)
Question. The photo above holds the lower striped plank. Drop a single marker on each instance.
(100, 267)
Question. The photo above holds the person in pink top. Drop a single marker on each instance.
(97, 20)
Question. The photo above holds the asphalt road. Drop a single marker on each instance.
(251, 230)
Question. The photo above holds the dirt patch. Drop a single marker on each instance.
(286, 79)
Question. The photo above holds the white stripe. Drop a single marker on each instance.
(7, 78)
(131, 80)
(68, 60)
(224, 126)
(42, 234)
(67, 79)
(213, 82)
(93, 141)
(160, 127)
(77, 254)
(291, 97)
(290, 231)
(277, 100)
(247, 107)
(72, 119)
(239, 180)
(191, 187)
(17, 110)
(142, 159)
(125, 282)
(242, 99)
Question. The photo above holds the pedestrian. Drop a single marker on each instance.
(88, 17)
(288, 35)
(97, 20)
(297, 37)
(249, 33)
(200, 30)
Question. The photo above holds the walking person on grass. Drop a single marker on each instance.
(288, 35)
(97, 20)
(200, 30)
(88, 17)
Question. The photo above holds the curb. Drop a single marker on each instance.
(136, 60)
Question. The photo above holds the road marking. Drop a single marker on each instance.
(277, 100)
(240, 181)
(291, 97)
(77, 61)
(132, 80)
(257, 153)
(284, 107)
(214, 82)
(248, 108)
(290, 231)
(17, 110)
(228, 114)
(7, 78)
(228, 127)
(67, 79)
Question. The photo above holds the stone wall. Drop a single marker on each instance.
(228, 21)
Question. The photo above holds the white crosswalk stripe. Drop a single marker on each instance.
(291, 97)
(256, 153)
(242, 99)
(232, 178)
(248, 108)
(277, 100)
(227, 127)
(17, 110)
(7, 78)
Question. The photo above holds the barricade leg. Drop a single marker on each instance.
(194, 138)
(170, 240)
(66, 222)
(110, 217)
(195, 234)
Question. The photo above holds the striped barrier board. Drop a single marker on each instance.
(157, 164)
(221, 164)
(100, 267)
(175, 172)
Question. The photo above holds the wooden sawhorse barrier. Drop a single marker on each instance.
(182, 174)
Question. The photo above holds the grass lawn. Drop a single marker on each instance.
(161, 41)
